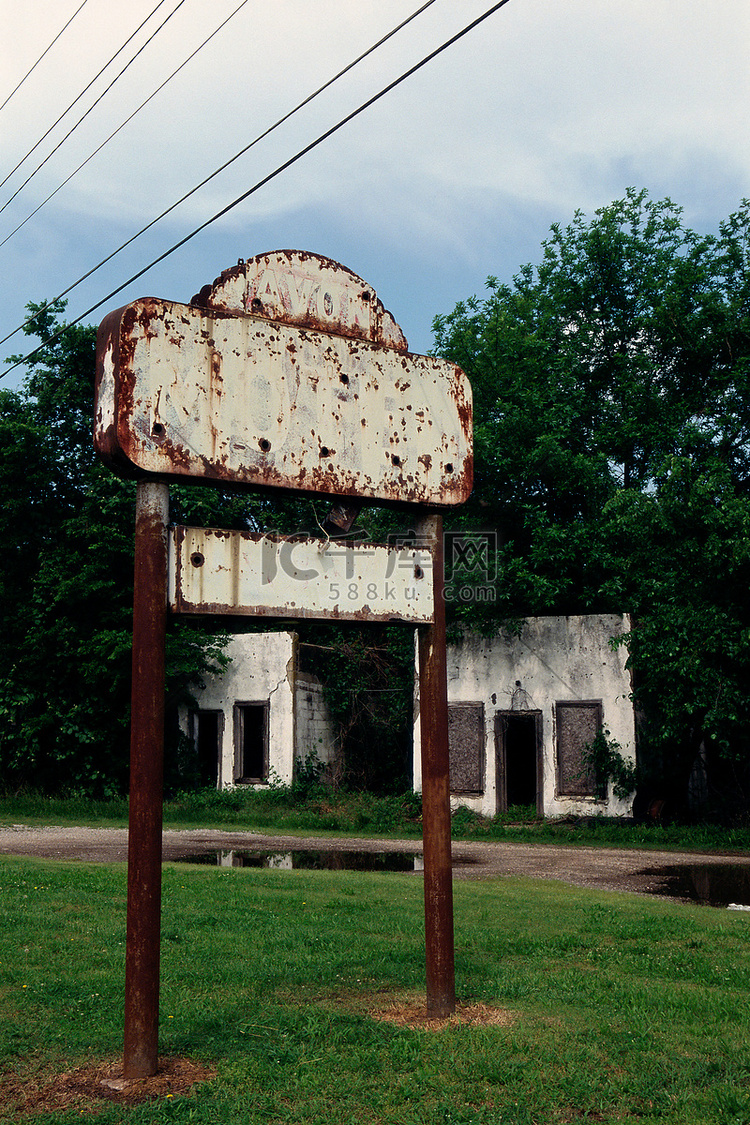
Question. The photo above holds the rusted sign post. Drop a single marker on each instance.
(436, 810)
(146, 780)
(286, 373)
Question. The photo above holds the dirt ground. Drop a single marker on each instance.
(608, 868)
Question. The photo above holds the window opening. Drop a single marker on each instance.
(208, 728)
(577, 725)
(250, 742)
(466, 747)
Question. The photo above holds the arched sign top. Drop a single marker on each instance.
(307, 290)
(286, 373)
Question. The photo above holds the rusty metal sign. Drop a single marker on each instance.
(227, 396)
(287, 373)
(238, 572)
(308, 290)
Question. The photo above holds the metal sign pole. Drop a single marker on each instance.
(436, 812)
(146, 781)
(278, 320)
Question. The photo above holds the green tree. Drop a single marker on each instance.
(611, 396)
(66, 591)
(367, 674)
(67, 582)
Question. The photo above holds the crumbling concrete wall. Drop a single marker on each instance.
(261, 671)
(315, 728)
(563, 675)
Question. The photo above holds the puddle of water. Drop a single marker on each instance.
(712, 884)
(310, 860)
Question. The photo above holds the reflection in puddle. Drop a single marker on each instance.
(310, 860)
(713, 884)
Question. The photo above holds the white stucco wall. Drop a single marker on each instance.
(556, 659)
(262, 669)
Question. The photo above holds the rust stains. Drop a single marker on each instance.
(307, 290)
(221, 395)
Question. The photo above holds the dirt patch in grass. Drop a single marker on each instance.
(88, 1087)
(613, 869)
(404, 1009)
(413, 1013)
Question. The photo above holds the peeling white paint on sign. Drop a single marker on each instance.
(295, 287)
(228, 397)
(237, 572)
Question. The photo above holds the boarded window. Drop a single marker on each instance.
(466, 747)
(250, 742)
(577, 726)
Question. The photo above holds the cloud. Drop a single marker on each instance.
(456, 174)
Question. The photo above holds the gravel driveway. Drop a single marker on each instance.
(613, 869)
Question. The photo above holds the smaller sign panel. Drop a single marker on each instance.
(238, 572)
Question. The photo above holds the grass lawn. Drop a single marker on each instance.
(282, 809)
(610, 1007)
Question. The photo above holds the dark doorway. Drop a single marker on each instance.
(208, 727)
(250, 742)
(518, 748)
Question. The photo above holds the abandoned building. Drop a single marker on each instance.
(521, 712)
(259, 716)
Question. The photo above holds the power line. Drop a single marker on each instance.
(271, 176)
(226, 164)
(267, 179)
(94, 105)
(83, 91)
(124, 123)
(46, 51)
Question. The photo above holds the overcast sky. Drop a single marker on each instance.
(547, 107)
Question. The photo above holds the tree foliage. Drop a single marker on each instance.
(66, 593)
(66, 586)
(612, 400)
(367, 673)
